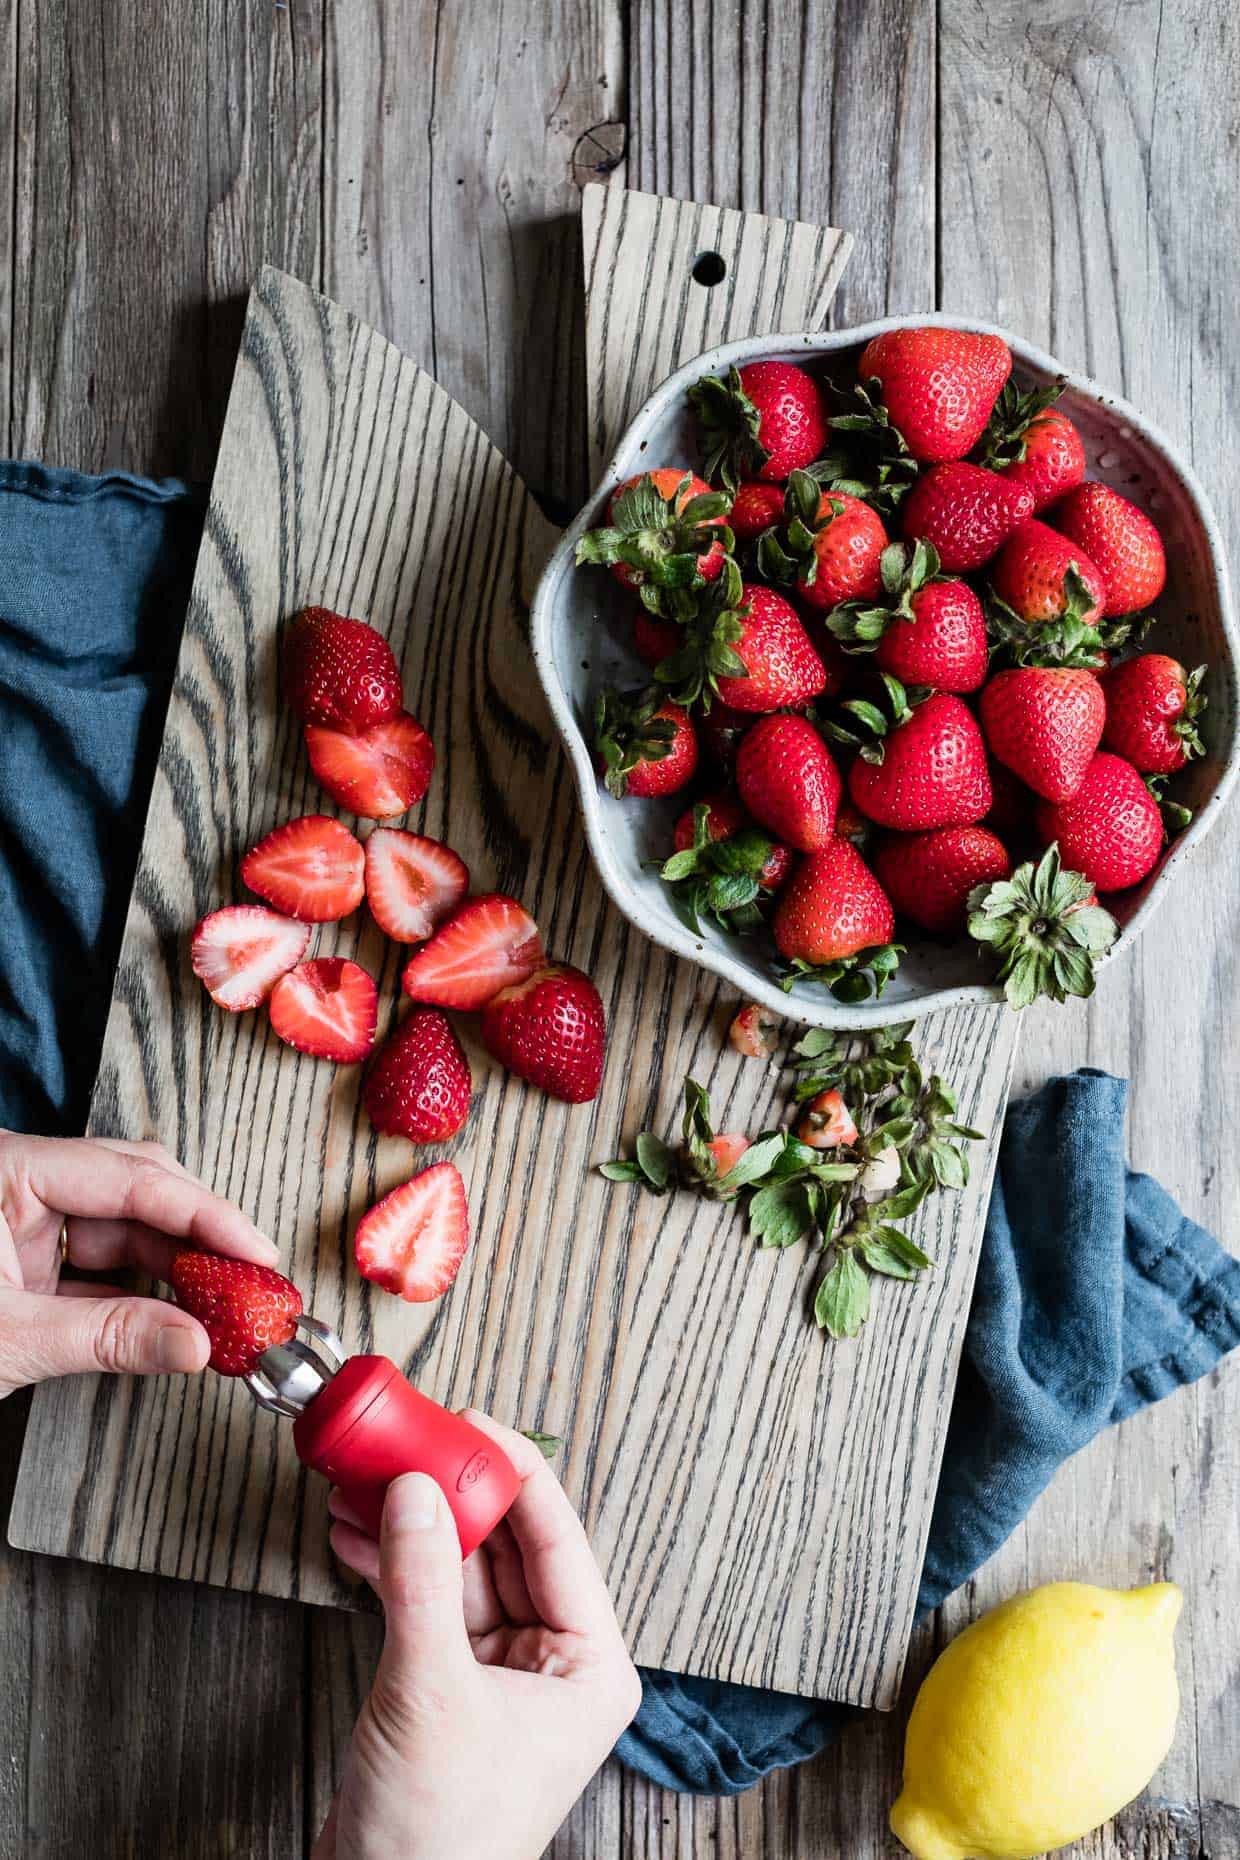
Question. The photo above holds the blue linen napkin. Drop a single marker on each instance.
(95, 575)
(1095, 1295)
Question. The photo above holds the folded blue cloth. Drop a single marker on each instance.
(95, 575)
(1095, 1296)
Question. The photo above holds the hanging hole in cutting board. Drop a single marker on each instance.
(709, 268)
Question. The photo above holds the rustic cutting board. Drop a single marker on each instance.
(759, 1498)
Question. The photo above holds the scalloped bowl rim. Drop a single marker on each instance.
(678, 938)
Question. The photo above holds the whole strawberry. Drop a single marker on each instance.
(244, 1308)
(339, 672)
(725, 818)
(665, 528)
(1152, 709)
(943, 644)
(1121, 540)
(654, 639)
(1044, 579)
(1050, 458)
(938, 386)
(646, 743)
(848, 544)
(782, 669)
(763, 421)
(832, 911)
(928, 876)
(789, 782)
(930, 630)
(1111, 829)
(551, 1031)
(1011, 810)
(419, 1085)
(756, 508)
(720, 730)
(929, 772)
(1044, 723)
(965, 511)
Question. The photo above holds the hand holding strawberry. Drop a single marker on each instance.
(119, 1206)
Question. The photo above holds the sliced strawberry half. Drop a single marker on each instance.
(376, 772)
(311, 868)
(412, 883)
(413, 1241)
(327, 1007)
(488, 944)
(240, 953)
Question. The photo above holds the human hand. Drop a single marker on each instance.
(120, 1205)
(503, 1684)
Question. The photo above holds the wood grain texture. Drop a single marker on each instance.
(793, 1562)
(190, 138)
(450, 208)
(1086, 134)
(647, 312)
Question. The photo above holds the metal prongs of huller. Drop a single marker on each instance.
(290, 1375)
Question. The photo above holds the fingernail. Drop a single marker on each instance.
(412, 1502)
(269, 1246)
(177, 1350)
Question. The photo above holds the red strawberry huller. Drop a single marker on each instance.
(359, 1422)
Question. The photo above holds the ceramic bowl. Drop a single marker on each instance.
(581, 622)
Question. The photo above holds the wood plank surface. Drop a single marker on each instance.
(1071, 121)
(647, 311)
(346, 476)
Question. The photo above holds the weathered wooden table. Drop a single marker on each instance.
(1069, 170)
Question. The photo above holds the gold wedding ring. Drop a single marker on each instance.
(62, 1245)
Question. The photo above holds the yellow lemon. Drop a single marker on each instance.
(1039, 1722)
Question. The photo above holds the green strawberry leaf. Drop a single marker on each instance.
(620, 1170)
(842, 1302)
(781, 1214)
(654, 1160)
(755, 1162)
(548, 1444)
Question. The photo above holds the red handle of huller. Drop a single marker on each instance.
(369, 1425)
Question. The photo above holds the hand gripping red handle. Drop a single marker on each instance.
(369, 1425)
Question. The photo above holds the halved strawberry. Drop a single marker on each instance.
(311, 869)
(488, 944)
(327, 1007)
(413, 1241)
(376, 772)
(240, 953)
(412, 883)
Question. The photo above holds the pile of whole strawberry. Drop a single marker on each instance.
(542, 1020)
(886, 639)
